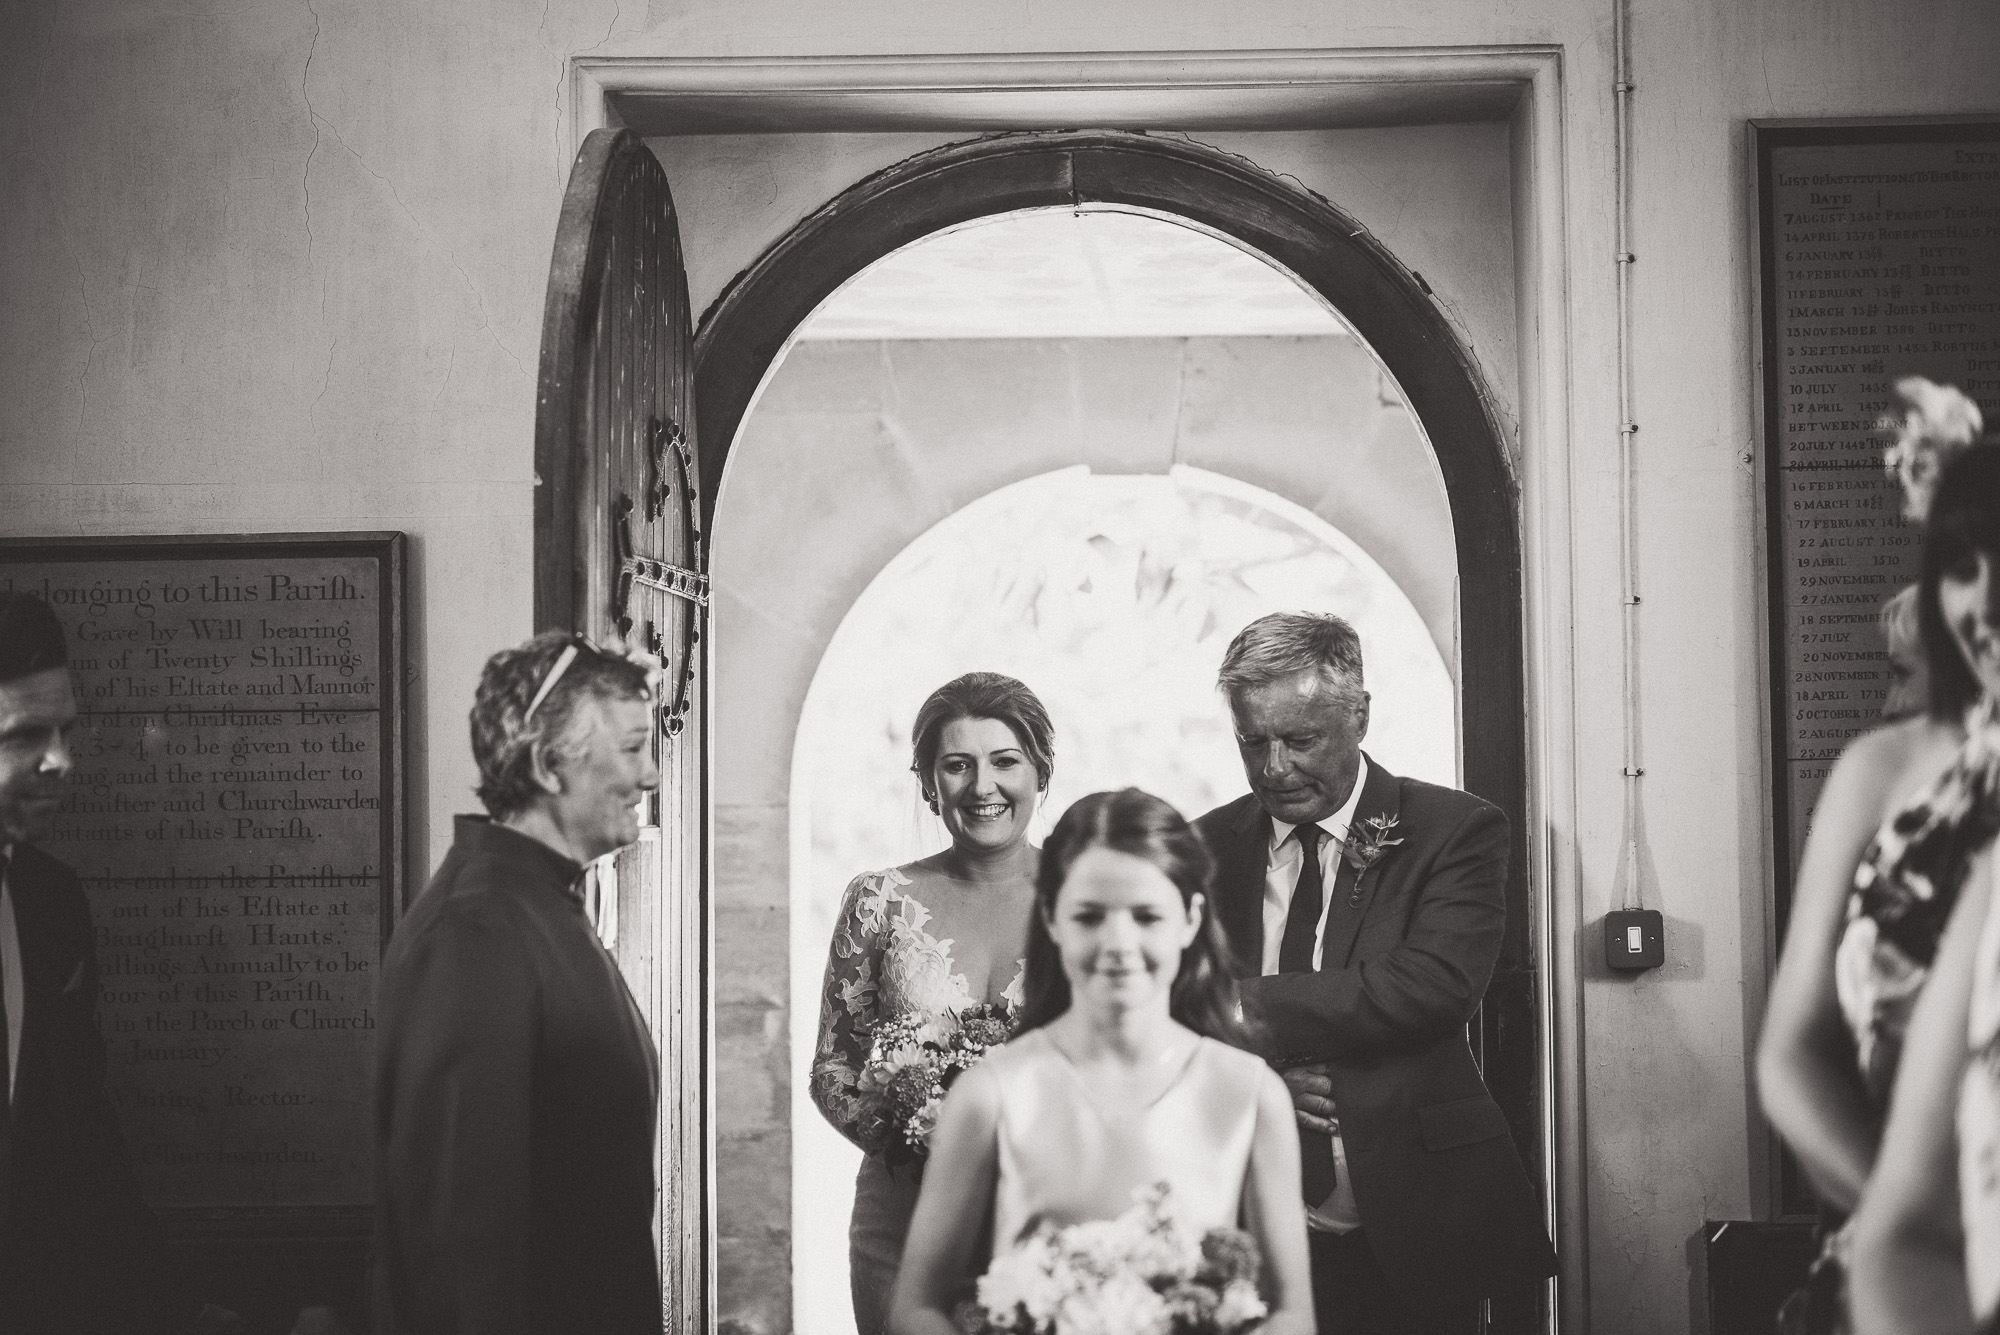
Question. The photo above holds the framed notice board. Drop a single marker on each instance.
(1879, 257)
(236, 813)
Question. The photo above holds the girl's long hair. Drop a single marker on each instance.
(1203, 996)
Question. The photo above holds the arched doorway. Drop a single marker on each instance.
(1112, 595)
(747, 330)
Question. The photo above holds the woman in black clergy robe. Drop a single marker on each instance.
(516, 1085)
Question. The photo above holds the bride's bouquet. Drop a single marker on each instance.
(1143, 1273)
(912, 1060)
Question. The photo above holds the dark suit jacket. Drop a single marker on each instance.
(1410, 946)
(515, 1103)
(80, 1251)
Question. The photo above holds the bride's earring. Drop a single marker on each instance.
(930, 800)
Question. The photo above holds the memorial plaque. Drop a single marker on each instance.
(236, 814)
(1880, 257)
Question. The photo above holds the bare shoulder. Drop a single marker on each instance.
(978, 1087)
(1885, 764)
(1244, 1070)
(1012, 1058)
(874, 888)
(1264, 1086)
(916, 880)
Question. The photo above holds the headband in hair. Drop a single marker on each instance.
(556, 669)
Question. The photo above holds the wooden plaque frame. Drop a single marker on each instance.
(241, 1237)
(1852, 467)
(1767, 139)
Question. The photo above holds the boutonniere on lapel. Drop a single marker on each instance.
(1366, 843)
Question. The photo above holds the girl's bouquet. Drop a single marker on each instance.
(912, 1060)
(1143, 1273)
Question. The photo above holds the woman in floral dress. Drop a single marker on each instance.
(1927, 1236)
(945, 933)
(1906, 810)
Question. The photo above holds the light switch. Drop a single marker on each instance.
(1634, 940)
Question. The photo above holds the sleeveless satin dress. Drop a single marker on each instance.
(1065, 1160)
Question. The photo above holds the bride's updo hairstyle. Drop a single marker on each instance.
(1133, 821)
(982, 695)
(1964, 521)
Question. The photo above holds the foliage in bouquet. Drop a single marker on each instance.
(1143, 1273)
(912, 1061)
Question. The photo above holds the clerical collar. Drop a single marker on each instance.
(524, 851)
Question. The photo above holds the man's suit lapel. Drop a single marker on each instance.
(42, 979)
(1354, 891)
(1239, 883)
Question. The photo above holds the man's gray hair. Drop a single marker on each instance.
(1282, 644)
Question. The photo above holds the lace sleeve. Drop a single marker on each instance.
(849, 1005)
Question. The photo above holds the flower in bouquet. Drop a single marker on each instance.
(912, 1061)
(1144, 1273)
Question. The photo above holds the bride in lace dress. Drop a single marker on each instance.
(940, 934)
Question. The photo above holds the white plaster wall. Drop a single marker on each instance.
(179, 351)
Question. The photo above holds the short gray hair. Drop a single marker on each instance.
(503, 733)
(1283, 644)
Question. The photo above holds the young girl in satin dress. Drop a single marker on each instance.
(1124, 1076)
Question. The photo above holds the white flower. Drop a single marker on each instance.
(1132, 1275)
(1240, 1306)
(918, 1132)
(1934, 423)
(1121, 1304)
(1022, 1282)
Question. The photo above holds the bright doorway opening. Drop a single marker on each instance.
(1107, 440)
(1113, 597)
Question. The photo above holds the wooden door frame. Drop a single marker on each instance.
(1526, 508)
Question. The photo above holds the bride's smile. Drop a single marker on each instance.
(987, 787)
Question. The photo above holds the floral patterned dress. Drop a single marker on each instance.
(1904, 889)
(884, 964)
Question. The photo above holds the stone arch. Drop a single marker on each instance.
(746, 332)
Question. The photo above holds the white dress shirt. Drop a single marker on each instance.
(1337, 1213)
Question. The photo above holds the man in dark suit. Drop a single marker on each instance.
(79, 1249)
(1365, 914)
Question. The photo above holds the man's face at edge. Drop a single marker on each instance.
(36, 713)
